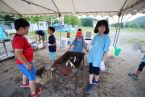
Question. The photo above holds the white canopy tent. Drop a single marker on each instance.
(71, 7)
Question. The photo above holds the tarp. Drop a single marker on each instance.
(2, 34)
(71, 7)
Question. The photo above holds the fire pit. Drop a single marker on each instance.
(69, 61)
(66, 69)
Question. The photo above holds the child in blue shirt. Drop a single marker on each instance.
(140, 68)
(78, 43)
(98, 52)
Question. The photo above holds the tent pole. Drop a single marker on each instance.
(119, 30)
(116, 31)
(60, 25)
(118, 25)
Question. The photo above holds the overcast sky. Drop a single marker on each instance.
(114, 19)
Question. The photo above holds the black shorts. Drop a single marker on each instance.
(141, 66)
(94, 70)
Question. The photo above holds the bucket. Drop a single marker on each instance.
(117, 51)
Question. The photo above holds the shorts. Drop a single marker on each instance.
(94, 70)
(30, 74)
(141, 66)
(52, 55)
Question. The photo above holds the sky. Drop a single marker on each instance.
(114, 19)
(126, 18)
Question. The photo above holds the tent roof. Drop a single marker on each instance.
(71, 7)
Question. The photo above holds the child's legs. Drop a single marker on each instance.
(32, 85)
(30, 75)
(91, 73)
(97, 78)
(91, 78)
(24, 79)
(52, 56)
(94, 72)
(140, 68)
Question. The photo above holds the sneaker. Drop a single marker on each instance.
(38, 91)
(25, 85)
(90, 88)
(95, 82)
(134, 76)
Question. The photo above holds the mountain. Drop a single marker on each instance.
(139, 20)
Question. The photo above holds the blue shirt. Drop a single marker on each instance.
(40, 32)
(100, 44)
(78, 45)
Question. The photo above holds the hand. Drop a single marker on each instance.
(87, 51)
(29, 66)
(47, 44)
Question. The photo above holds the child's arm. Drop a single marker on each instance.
(39, 38)
(85, 47)
(53, 44)
(21, 57)
(71, 45)
(104, 56)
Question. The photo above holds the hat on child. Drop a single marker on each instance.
(79, 34)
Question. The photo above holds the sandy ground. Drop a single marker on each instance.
(114, 81)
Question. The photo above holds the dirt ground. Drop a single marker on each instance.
(114, 81)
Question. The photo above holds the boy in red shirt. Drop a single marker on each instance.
(24, 56)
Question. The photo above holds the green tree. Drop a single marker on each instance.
(56, 21)
(67, 19)
(8, 18)
(87, 22)
(75, 20)
(71, 20)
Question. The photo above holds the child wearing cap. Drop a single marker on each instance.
(78, 43)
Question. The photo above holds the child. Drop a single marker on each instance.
(140, 68)
(41, 35)
(78, 42)
(24, 56)
(98, 52)
(52, 43)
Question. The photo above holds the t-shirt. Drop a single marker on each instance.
(52, 40)
(40, 32)
(100, 44)
(20, 42)
(78, 45)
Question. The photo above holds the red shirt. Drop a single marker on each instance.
(20, 42)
